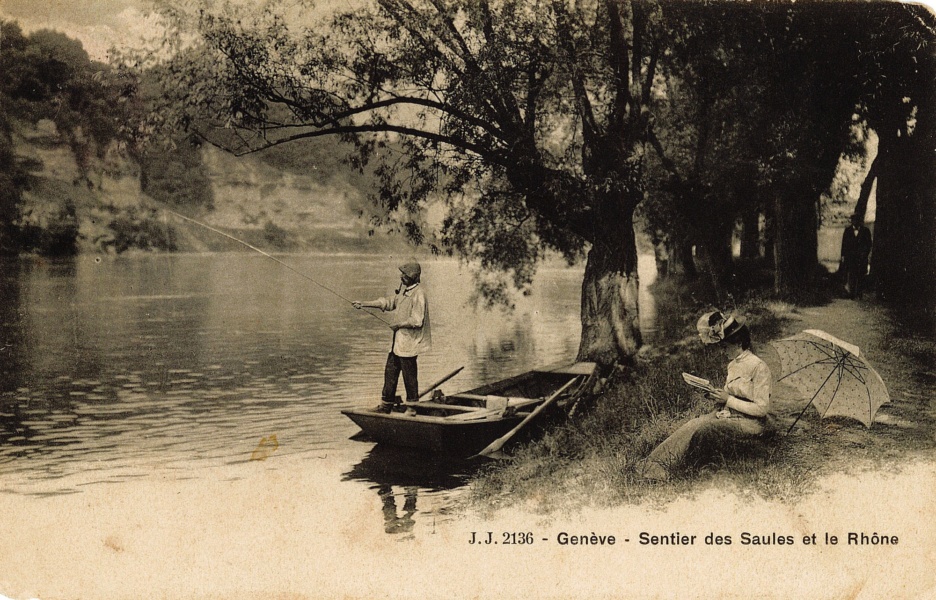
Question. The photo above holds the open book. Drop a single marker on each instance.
(698, 382)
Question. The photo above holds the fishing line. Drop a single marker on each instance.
(271, 257)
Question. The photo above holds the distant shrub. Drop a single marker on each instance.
(177, 175)
(133, 230)
(277, 237)
(50, 232)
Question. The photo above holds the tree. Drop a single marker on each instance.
(49, 76)
(55, 79)
(13, 175)
(10, 188)
(525, 121)
(761, 104)
(899, 81)
(706, 157)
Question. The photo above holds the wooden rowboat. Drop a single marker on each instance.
(464, 423)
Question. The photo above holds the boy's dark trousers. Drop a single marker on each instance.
(396, 365)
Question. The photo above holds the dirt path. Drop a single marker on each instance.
(906, 362)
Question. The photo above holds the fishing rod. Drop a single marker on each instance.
(271, 257)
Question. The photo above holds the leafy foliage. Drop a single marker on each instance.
(789, 72)
(12, 181)
(136, 229)
(48, 76)
(52, 233)
(175, 174)
(461, 96)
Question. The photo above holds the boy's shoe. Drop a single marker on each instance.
(384, 407)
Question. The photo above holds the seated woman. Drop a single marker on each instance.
(742, 405)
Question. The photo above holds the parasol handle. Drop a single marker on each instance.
(802, 412)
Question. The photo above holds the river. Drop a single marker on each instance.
(152, 366)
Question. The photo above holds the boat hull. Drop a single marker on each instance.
(434, 434)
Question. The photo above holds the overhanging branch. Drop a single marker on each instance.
(442, 107)
(489, 154)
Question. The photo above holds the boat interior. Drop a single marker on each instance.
(512, 396)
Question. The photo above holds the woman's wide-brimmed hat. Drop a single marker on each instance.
(714, 327)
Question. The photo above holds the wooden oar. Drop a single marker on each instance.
(499, 442)
(439, 382)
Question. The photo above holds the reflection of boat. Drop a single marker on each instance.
(464, 423)
(387, 465)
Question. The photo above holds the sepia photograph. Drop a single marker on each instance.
(561, 299)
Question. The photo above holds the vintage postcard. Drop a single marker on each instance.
(401, 298)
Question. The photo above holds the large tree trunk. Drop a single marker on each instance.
(750, 234)
(903, 262)
(903, 259)
(610, 324)
(796, 244)
(923, 291)
(686, 257)
(889, 257)
(718, 255)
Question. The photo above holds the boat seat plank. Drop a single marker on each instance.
(511, 402)
(487, 397)
(480, 415)
(437, 405)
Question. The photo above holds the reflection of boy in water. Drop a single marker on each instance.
(392, 522)
(411, 334)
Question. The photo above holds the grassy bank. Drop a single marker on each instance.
(591, 460)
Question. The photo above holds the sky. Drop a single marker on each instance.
(99, 24)
(103, 24)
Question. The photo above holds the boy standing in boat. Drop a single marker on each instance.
(411, 334)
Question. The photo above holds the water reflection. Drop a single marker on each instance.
(388, 465)
(11, 330)
(395, 523)
(400, 476)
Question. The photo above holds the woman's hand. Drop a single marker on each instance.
(719, 396)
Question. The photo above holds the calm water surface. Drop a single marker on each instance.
(118, 368)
